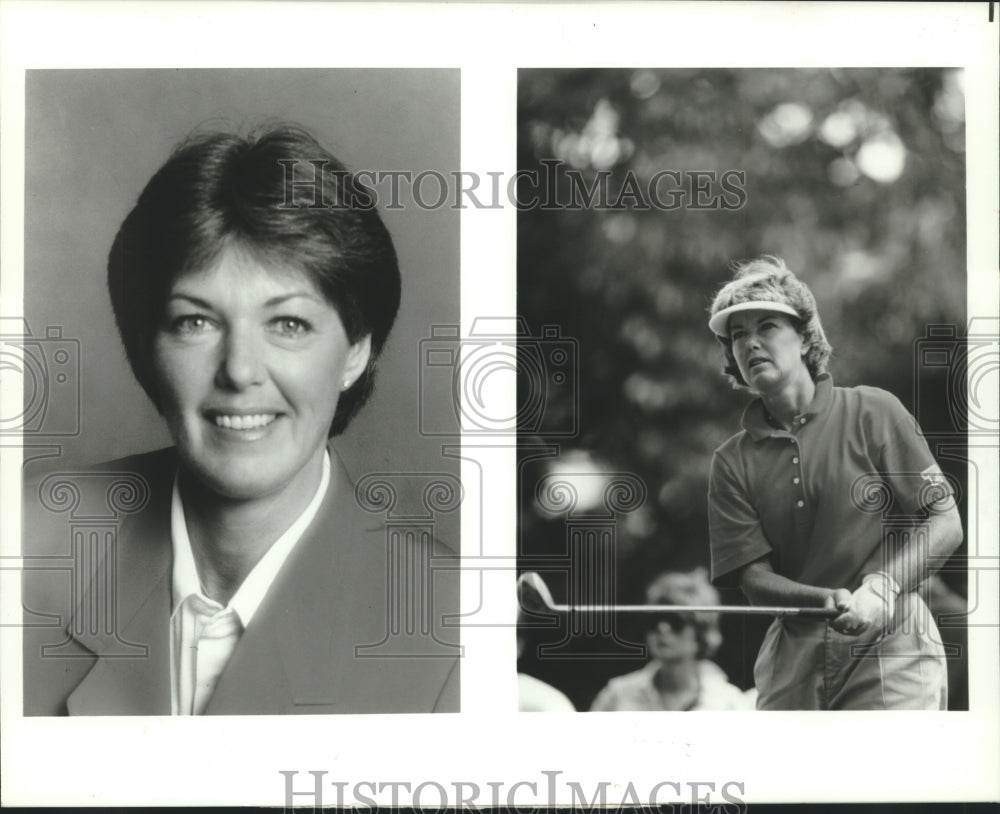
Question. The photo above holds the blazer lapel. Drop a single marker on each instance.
(132, 672)
(288, 656)
(131, 684)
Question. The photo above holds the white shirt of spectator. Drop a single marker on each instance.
(203, 633)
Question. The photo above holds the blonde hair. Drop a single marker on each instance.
(690, 588)
(768, 279)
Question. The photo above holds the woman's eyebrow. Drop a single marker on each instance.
(286, 297)
(273, 301)
(180, 295)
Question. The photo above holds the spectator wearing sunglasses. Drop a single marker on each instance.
(680, 675)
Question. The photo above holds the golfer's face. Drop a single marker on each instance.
(768, 350)
(250, 361)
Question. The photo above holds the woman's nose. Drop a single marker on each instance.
(664, 629)
(241, 365)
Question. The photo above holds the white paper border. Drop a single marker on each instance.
(777, 757)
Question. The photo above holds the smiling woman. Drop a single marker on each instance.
(250, 364)
(246, 579)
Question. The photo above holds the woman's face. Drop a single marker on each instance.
(249, 362)
(769, 352)
(673, 639)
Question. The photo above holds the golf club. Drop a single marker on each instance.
(533, 595)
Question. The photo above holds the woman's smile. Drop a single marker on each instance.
(254, 421)
(250, 424)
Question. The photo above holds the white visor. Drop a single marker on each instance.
(719, 323)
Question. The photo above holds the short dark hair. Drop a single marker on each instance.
(767, 278)
(279, 194)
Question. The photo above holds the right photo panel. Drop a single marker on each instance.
(743, 409)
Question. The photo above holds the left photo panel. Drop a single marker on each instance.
(229, 505)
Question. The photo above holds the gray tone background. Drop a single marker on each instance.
(95, 137)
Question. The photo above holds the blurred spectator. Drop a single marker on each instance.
(680, 675)
(533, 694)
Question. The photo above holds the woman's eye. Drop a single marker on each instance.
(187, 324)
(291, 326)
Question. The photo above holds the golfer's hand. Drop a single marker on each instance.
(837, 600)
(869, 608)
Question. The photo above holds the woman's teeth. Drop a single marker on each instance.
(244, 422)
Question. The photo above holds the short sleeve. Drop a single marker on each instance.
(906, 462)
(604, 701)
(735, 534)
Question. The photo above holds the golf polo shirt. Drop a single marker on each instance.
(815, 498)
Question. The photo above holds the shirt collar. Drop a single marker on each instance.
(185, 580)
(755, 416)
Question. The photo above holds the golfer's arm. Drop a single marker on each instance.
(762, 586)
(928, 545)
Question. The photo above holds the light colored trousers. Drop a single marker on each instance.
(804, 664)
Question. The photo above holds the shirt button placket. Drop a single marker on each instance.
(796, 480)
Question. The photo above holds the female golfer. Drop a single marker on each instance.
(254, 285)
(829, 496)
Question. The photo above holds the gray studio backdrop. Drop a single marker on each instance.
(95, 137)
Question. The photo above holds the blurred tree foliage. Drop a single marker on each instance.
(855, 177)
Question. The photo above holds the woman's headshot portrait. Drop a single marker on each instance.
(221, 534)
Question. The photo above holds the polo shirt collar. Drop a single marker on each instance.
(755, 416)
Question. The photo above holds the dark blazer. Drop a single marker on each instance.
(361, 617)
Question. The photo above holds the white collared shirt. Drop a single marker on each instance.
(203, 633)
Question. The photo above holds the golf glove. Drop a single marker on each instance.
(870, 607)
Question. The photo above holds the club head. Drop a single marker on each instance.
(533, 594)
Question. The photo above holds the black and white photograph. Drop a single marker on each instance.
(385, 385)
(778, 254)
(222, 402)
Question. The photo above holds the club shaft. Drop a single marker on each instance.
(531, 581)
(759, 610)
